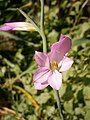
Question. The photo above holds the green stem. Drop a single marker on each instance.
(44, 43)
(42, 15)
(42, 27)
(45, 50)
(59, 104)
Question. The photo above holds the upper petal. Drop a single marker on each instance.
(41, 75)
(59, 49)
(42, 59)
(25, 26)
(55, 80)
(65, 64)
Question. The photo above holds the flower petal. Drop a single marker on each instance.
(25, 26)
(5, 28)
(55, 80)
(66, 63)
(41, 75)
(40, 86)
(59, 49)
(42, 59)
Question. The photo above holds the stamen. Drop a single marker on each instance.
(54, 65)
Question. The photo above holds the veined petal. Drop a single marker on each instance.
(55, 80)
(62, 37)
(41, 75)
(42, 59)
(59, 49)
(40, 86)
(66, 63)
(24, 26)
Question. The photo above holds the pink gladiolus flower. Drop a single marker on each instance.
(24, 26)
(51, 65)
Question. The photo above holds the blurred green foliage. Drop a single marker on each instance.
(17, 63)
